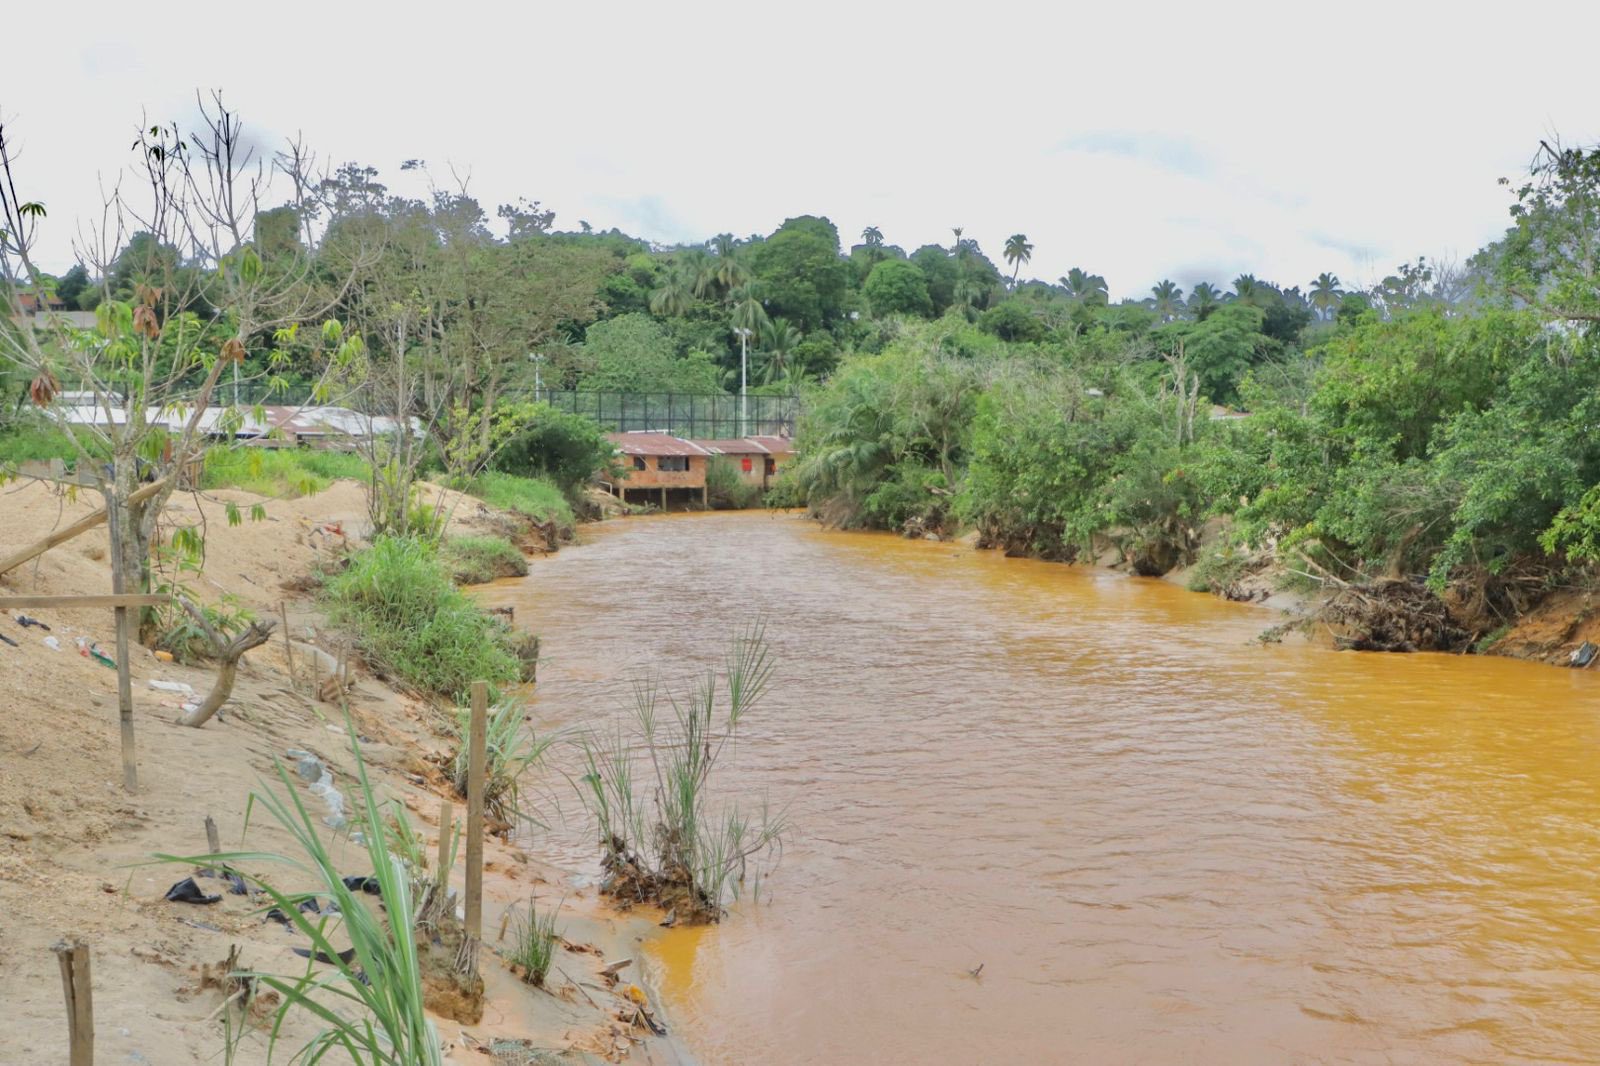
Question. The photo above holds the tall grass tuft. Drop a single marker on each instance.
(370, 1003)
(474, 560)
(509, 749)
(534, 948)
(679, 847)
(281, 472)
(411, 619)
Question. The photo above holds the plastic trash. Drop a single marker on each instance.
(24, 621)
(52, 643)
(186, 891)
(1583, 655)
(9, 641)
(101, 657)
(163, 656)
(344, 956)
(172, 686)
(369, 885)
(310, 768)
(236, 883)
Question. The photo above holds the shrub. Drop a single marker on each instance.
(474, 560)
(564, 448)
(410, 617)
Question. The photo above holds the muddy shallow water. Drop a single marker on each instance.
(1162, 841)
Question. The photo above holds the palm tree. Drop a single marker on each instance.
(1326, 294)
(960, 247)
(1086, 288)
(778, 342)
(1203, 300)
(872, 237)
(1168, 300)
(748, 313)
(1246, 289)
(730, 273)
(1018, 251)
(675, 295)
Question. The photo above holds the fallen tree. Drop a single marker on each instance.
(227, 653)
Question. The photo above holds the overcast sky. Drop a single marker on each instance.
(1138, 141)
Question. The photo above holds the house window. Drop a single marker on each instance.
(772, 465)
(638, 463)
(673, 463)
(745, 462)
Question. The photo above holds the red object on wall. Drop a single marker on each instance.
(746, 463)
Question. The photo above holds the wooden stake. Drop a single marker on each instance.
(288, 647)
(475, 759)
(447, 814)
(130, 769)
(213, 842)
(73, 955)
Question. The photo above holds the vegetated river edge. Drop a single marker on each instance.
(1150, 829)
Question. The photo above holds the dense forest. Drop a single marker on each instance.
(1435, 427)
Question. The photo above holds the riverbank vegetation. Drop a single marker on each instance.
(409, 619)
(1430, 433)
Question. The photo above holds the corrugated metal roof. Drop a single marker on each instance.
(643, 443)
(749, 446)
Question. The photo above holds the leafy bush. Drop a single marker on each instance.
(566, 449)
(474, 560)
(409, 617)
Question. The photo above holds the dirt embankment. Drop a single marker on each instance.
(75, 848)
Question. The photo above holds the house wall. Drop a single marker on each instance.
(654, 478)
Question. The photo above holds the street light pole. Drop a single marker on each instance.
(744, 381)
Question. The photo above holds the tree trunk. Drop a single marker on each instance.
(228, 654)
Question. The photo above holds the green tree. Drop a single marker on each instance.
(779, 343)
(1089, 289)
(1017, 252)
(1203, 300)
(1326, 294)
(897, 287)
(802, 274)
(1168, 300)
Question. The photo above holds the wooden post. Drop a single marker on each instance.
(212, 841)
(73, 955)
(447, 814)
(288, 646)
(475, 759)
(130, 770)
(663, 497)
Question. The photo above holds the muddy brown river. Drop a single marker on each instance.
(1162, 841)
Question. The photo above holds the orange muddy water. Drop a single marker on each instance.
(1162, 841)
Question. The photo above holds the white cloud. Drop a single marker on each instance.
(1136, 141)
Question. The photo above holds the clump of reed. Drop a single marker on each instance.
(664, 837)
(370, 996)
(533, 948)
(509, 749)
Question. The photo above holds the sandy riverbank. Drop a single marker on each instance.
(72, 841)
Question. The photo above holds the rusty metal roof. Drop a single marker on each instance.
(644, 443)
(749, 446)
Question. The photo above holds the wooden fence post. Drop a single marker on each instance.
(73, 955)
(130, 770)
(475, 760)
(447, 814)
(213, 841)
